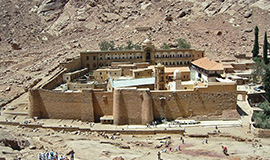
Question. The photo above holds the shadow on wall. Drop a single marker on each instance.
(240, 111)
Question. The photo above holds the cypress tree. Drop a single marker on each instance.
(255, 50)
(266, 83)
(265, 49)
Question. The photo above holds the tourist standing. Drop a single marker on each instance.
(72, 155)
(159, 155)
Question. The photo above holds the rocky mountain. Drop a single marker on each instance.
(35, 35)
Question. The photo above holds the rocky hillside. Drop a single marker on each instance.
(36, 35)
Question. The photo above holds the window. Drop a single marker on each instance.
(101, 77)
(100, 73)
(115, 73)
(87, 58)
(94, 57)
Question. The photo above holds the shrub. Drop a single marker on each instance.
(182, 43)
(106, 45)
(165, 46)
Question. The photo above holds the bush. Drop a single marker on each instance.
(165, 46)
(109, 45)
(182, 43)
(106, 45)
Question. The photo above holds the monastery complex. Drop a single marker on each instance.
(136, 87)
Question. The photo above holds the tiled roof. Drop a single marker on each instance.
(207, 64)
(172, 69)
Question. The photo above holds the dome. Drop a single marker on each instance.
(147, 41)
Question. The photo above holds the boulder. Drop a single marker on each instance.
(111, 17)
(248, 30)
(9, 140)
(118, 158)
(15, 45)
(248, 14)
(51, 5)
(169, 18)
(181, 14)
(124, 147)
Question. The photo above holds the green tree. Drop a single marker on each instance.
(165, 46)
(182, 43)
(255, 49)
(266, 84)
(262, 118)
(129, 45)
(106, 45)
(265, 49)
(259, 70)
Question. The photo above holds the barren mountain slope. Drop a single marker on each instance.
(36, 35)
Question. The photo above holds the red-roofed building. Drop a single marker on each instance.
(206, 70)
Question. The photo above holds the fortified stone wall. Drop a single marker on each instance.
(87, 105)
(55, 81)
(72, 64)
(131, 105)
(191, 103)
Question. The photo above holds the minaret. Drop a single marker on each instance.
(159, 77)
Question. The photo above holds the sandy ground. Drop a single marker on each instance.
(93, 145)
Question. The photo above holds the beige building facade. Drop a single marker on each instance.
(171, 57)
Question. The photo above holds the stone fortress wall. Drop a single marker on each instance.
(132, 105)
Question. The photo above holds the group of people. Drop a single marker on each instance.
(54, 156)
(167, 145)
(205, 140)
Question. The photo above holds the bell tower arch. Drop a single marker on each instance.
(148, 51)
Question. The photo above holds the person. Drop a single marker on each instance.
(202, 141)
(159, 155)
(183, 141)
(72, 155)
(39, 156)
(51, 153)
(47, 155)
(206, 140)
(179, 147)
(225, 150)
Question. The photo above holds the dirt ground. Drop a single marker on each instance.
(93, 145)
